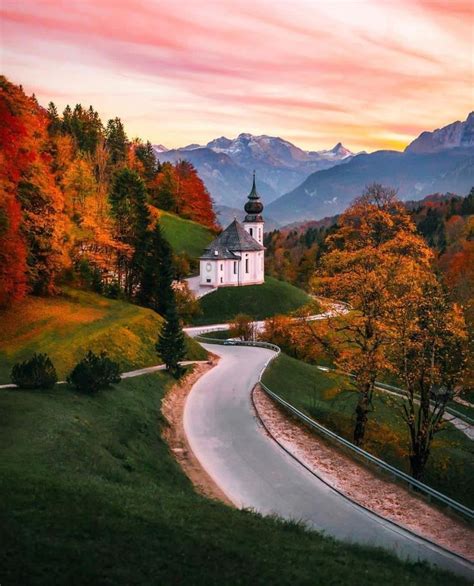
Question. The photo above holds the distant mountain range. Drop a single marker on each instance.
(438, 161)
(226, 165)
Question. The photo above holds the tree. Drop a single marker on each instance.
(132, 217)
(243, 327)
(171, 343)
(94, 372)
(116, 141)
(146, 155)
(374, 241)
(36, 373)
(164, 188)
(155, 290)
(428, 354)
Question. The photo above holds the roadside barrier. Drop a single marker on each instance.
(412, 483)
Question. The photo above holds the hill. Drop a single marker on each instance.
(90, 494)
(259, 301)
(185, 236)
(66, 326)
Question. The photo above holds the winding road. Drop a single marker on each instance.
(254, 472)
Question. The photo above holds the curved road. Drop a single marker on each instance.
(254, 472)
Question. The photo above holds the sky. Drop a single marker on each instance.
(370, 73)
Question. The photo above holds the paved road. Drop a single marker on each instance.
(253, 471)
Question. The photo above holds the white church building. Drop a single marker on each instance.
(237, 256)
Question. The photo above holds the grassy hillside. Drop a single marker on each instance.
(89, 494)
(330, 400)
(259, 301)
(185, 236)
(65, 327)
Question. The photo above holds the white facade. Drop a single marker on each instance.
(248, 270)
(255, 229)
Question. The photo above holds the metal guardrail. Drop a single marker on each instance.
(431, 493)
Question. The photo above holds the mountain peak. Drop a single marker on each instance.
(456, 134)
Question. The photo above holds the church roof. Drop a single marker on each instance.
(233, 240)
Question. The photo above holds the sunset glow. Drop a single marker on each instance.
(372, 74)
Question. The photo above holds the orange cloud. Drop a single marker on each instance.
(368, 73)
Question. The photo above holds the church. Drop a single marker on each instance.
(236, 256)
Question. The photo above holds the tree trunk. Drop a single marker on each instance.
(361, 420)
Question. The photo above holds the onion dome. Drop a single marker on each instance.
(253, 207)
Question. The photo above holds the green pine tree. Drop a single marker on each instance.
(171, 343)
(156, 289)
(128, 199)
(146, 155)
(116, 141)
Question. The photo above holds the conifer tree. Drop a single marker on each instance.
(156, 286)
(116, 141)
(146, 155)
(129, 207)
(171, 343)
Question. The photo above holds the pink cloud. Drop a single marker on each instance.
(289, 68)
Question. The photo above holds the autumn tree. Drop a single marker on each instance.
(428, 353)
(243, 327)
(375, 239)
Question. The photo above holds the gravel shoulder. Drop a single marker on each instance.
(360, 484)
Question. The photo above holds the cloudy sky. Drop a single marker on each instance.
(370, 73)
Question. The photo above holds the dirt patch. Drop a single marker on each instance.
(173, 409)
(378, 494)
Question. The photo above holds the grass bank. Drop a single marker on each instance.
(259, 301)
(65, 327)
(89, 494)
(185, 236)
(331, 401)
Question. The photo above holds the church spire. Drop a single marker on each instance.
(253, 206)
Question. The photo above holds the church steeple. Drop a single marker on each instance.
(253, 207)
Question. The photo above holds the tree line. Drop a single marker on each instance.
(79, 200)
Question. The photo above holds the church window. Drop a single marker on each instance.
(235, 267)
(222, 267)
(251, 231)
(260, 233)
(246, 265)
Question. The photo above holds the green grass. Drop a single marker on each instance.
(65, 327)
(259, 301)
(89, 494)
(331, 401)
(185, 236)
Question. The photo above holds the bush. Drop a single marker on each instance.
(36, 373)
(94, 372)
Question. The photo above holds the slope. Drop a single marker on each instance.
(66, 326)
(90, 494)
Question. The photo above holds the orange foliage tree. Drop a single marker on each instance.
(374, 242)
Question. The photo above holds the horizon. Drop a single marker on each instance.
(372, 75)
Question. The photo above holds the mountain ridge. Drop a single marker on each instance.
(225, 165)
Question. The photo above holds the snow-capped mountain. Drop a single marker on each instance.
(457, 134)
(159, 148)
(225, 165)
(438, 161)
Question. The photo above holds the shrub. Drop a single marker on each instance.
(94, 372)
(36, 373)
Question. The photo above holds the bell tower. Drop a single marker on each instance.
(253, 221)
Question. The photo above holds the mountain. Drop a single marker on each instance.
(457, 134)
(439, 161)
(225, 165)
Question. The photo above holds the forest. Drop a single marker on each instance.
(80, 203)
